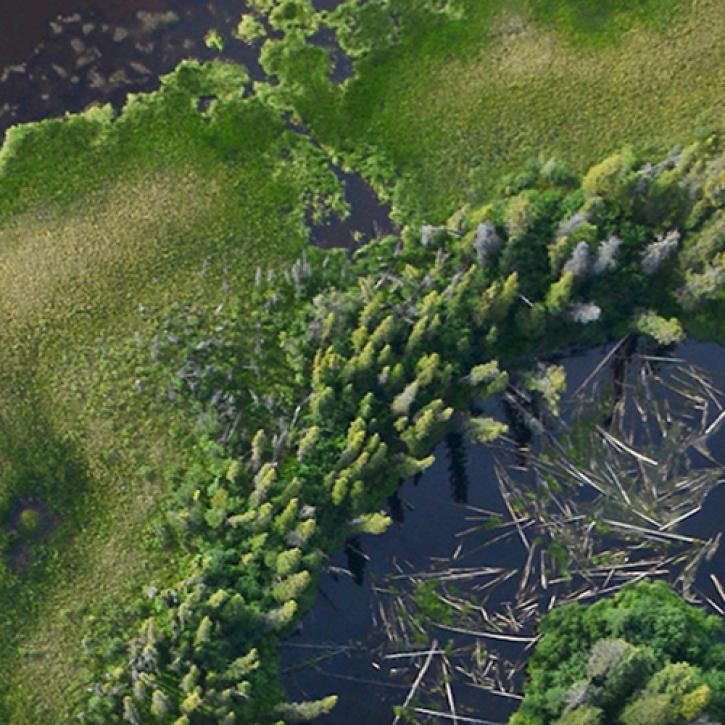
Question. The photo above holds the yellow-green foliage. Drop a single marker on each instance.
(218, 599)
(650, 710)
(559, 294)
(375, 523)
(280, 617)
(244, 665)
(192, 702)
(559, 251)
(358, 466)
(483, 430)
(249, 29)
(322, 399)
(291, 587)
(304, 531)
(487, 378)
(159, 704)
(214, 40)
(340, 487)
(550, 383)
(371, 312)
(497, 300)
(407, 466)
(426, 424)
(29, 520)
(483, 373)
(359, 337)
(519, 216)
(189, 680)
(288, 561)
(355, 439)
(664, 331)
(385, 356)
(402, 402)
(204, 632)
(307, 441)
(693, 703)
(284, 521)
(263, 482)
(610, 178)
(383, 332)
(258, 443)
(584, 715)
(378, 458)
(416, 334)
(302, 712)
(296, 14)
(426, 369)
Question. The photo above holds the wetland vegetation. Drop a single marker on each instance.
(199, 407)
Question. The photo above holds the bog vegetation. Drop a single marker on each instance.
(384, 357)
(207, 409)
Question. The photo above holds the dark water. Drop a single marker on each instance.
(23, 25)
(344, 628)
(368, 219)
(58, 56)
(428, 516)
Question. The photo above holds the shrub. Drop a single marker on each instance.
(29, 521)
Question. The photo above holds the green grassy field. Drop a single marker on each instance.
(444, 105)
(98, 217)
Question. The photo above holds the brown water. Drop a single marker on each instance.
(24, 25)
(62, 55)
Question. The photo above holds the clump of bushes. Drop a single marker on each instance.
(29, 521)
(641, 657)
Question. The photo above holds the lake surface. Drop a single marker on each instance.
(341, 645)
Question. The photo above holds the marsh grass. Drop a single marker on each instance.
(601, 22)
(104, 225)
(458, 101)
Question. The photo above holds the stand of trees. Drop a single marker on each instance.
(641, 657)
(386, 353)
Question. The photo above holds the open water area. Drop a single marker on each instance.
(350, 643)
(59, 56)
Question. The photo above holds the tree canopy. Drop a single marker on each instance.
(641, 657)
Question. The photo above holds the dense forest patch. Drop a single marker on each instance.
(642, 657)
(384, 354)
